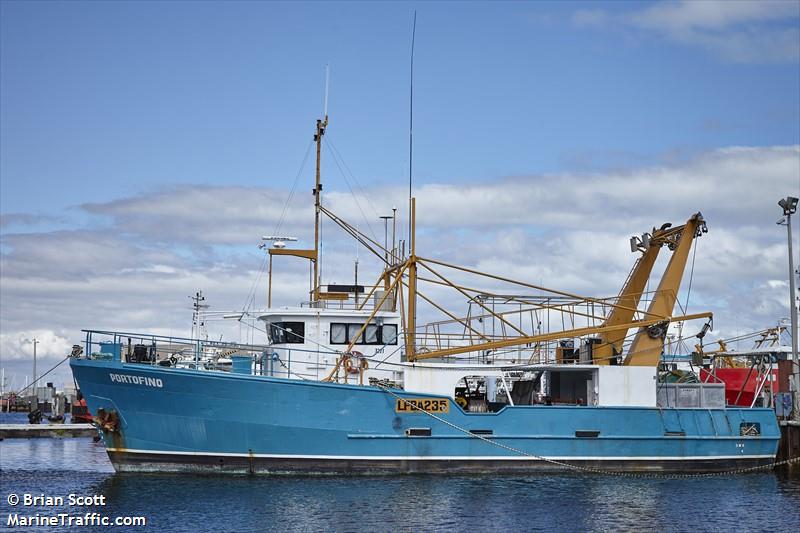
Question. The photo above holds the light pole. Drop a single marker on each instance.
(35, 401)
(35, 342)
(789, 206)
(386, 219)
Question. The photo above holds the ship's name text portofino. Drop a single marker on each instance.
(136, 380)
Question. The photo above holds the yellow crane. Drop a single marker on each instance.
(652, 325)
(649, 341)
(650, 244)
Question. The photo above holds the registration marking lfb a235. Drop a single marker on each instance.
(417, 405)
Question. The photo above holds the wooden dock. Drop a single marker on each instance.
(56, 431)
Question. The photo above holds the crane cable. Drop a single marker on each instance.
(691, 276)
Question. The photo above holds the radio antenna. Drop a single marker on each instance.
(327, 84)
(411, 123)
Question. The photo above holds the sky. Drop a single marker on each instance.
(146, 146)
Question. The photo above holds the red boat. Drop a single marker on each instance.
(80, 412)
(741, 384)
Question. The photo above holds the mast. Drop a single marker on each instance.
(412, 287)
(411, 324)
(198, 316)
(310, 254)
(321, 125)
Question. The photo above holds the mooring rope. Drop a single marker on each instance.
(32, 383)
(589, 468)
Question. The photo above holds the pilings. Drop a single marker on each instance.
(790, 443)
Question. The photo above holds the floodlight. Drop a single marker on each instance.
(789, 205)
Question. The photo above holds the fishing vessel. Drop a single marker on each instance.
(527, 379)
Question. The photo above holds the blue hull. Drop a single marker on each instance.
(186, 420)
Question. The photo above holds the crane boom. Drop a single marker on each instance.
(610, 344)
(649, 341)
(650, 244)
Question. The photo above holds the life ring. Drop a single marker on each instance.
(352, 368)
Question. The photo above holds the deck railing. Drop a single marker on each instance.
(201, 354)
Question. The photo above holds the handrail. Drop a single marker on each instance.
(153, 336)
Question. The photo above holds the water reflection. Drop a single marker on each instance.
(259, 503)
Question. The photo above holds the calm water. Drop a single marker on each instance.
(54, 467)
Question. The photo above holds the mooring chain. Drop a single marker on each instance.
(587, 468)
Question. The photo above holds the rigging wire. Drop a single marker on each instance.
(352, 176)
(251, 295)
(294, 188)
(29, 385)
(684, 308)
(250, 300)
(312, 341)
(691, 277)
(336, 157)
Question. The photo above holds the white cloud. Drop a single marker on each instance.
(711, 183)
(19, 345)
(741, 31)
(16, 357)
(714, 14)
(204, 214)
(207, 216)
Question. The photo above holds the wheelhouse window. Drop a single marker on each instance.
(287, 332)
(389, 334)
(338, 333)
(373, 334)
(352, 333)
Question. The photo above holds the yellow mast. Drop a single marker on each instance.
(411, 323)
